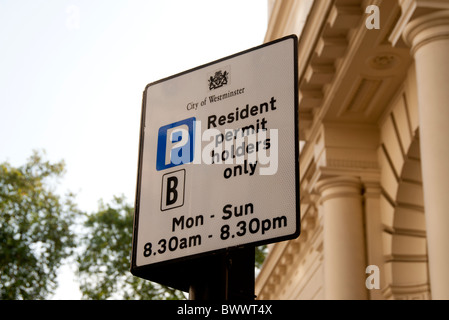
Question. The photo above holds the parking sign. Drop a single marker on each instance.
(218, 159)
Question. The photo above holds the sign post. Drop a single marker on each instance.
(218, 168)
(226, 276)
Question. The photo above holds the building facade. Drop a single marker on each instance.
(374, 132)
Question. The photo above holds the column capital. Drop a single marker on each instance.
(372, 189)
(427, 28)
(337, 187)
(412, 10)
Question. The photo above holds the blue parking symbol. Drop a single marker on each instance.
(175, 144)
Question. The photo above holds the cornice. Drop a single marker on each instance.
(347, 73)
(323, 42)
(277, 20)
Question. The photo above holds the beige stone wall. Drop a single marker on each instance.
(373, 110)
(403, 263)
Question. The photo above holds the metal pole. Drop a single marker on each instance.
(209, 279)
(228, 276)
(240, 274)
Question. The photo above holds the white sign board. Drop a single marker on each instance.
(218, 162)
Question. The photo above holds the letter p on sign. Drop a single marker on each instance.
(175, 144)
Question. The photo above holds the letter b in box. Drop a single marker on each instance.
(175, 144)
(173, 190)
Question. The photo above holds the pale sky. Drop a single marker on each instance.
(72, 73)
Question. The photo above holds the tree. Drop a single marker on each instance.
(104, 260)
(261, 253)
(35, 228)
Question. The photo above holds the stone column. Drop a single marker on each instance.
(428, 37)
(343, 238)
(373, 237)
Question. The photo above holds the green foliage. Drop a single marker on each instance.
(36, 235)
(35, 228)
(104, 262)
(261, 253)
(104, 258)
